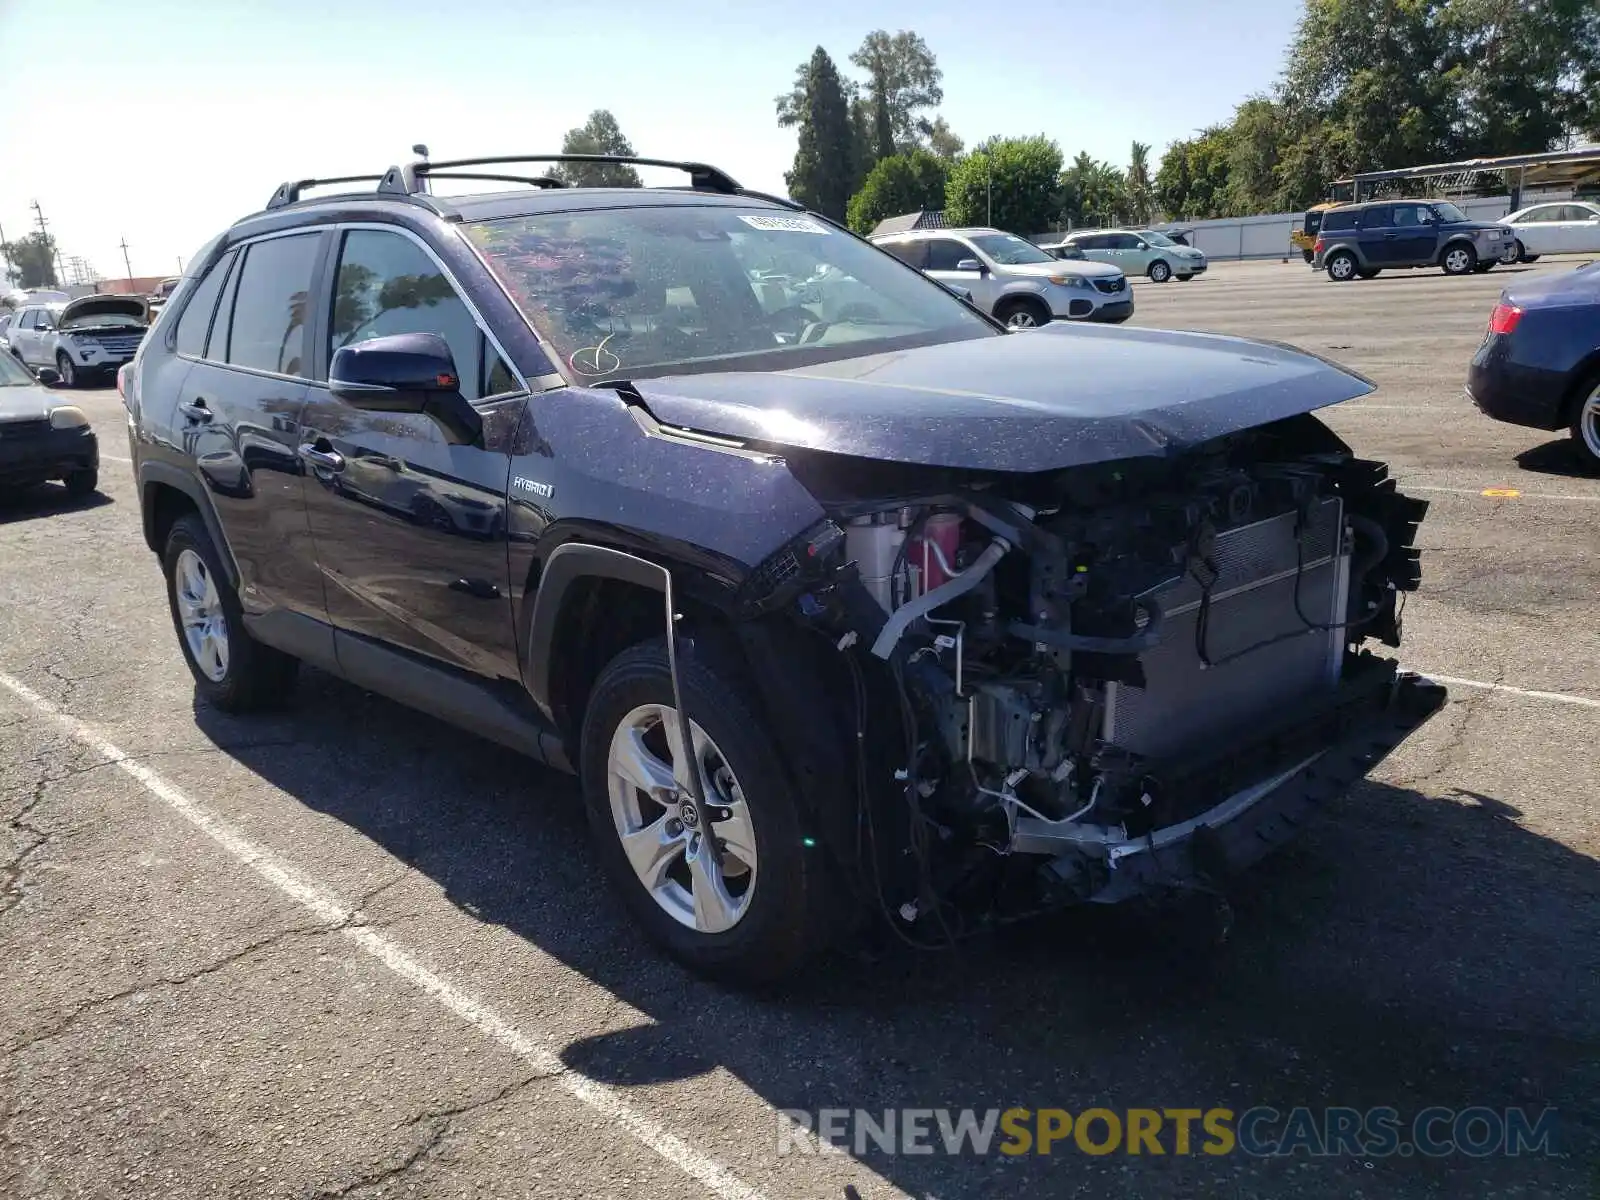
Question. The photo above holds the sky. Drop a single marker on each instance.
(163, 121)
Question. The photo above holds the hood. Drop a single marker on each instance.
(1060, 396)
(1569, 288)
(134, 307)
(26, 403)
(1082, 268)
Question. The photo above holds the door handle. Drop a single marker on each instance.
(328, 460)
(195, 409)
(1389, 237)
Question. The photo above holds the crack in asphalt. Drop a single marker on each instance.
(354, 917)
(1444, 757)
(443, 1120)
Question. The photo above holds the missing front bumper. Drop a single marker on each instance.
(1311, 763)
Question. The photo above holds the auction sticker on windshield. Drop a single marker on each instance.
(785, 224)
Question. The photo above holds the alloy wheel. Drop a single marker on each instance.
(1589, 423)
(1457, 262)
(205, 625)
(1342, 267)
(69, 375)
(655, 819)
(1022, 319)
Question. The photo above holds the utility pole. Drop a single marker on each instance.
(127, 264)
(44, 231)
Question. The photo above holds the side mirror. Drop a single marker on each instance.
(405, 373)
(49, 376)
(970, 264)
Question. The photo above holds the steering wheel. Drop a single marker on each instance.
(859, 312)
(798, 323)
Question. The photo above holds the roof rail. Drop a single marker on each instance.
(289, 192)
(410, 179)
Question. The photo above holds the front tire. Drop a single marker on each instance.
(759, 916)
(232, 671)
(82, 484)
(65, 369)
(1586, 423)
(1514, 253)
(1342, 266)
(1022, 313)
(1459, 259)
(1159, 271)
(1484, 268)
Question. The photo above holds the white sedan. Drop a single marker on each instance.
(1571, 227)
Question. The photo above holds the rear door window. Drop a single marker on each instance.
(1378, 217)
(913, 254)
(946, 255)
(271, 307)
(195, 323)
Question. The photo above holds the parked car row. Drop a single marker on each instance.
(1013, 280)
(81, 340)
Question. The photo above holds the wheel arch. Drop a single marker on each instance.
(1456, 239)
(167, 493)
(1585, 376)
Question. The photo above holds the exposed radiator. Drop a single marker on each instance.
(1262, 651)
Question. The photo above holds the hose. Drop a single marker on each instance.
(970, 578)
(1134, 643)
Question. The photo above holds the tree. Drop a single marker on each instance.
(1254, 147)
(600, 134)
(1137, 183)
(1093, 192)
(943, 141)
(901, 183)
(1026, 186)
(33, 260)
(1192, 182)
(902, 81)
(824, 162)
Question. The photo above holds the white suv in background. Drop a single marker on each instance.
(1013, 279)
(89, 336)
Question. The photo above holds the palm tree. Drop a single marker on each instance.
(1138, 182)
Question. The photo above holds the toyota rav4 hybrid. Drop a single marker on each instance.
(849, 608)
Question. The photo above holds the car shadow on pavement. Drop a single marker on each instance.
(44, 500)
(1408, 951)
(1559, 457)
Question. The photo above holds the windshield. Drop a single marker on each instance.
(1008, 249)
(629, 292)
(1448, 211)
(1157, 239)
(14, 374)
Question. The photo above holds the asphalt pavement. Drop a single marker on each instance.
(348, 951)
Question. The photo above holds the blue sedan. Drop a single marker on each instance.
(1539, 364)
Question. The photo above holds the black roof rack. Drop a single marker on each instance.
(410, 179)
(289, 192)
(539, 181)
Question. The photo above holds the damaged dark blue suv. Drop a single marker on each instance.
(964, 623)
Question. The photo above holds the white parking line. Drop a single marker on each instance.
(327, 907)
(116, 458)
(1554, 697)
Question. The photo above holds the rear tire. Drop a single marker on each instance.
(777, 920)
(1368, 272)
(252, 676)
(1160, 272)
(1309, 256)
(1342, 266)
(1022, 312)
(1458, 259)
